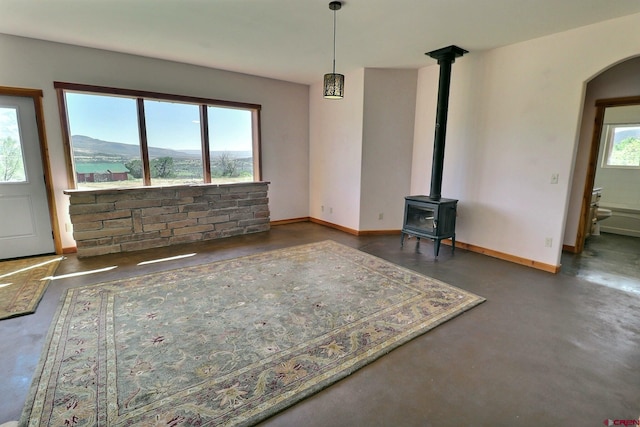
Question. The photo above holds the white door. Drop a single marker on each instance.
(25, 222)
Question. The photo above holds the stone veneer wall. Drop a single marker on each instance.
(124, 220)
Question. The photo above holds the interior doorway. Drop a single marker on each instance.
(616, 85)
(29, 225)
(598, 127)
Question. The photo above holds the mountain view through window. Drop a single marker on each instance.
(108, 135)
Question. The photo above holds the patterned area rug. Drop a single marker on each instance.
(23, 282)
(228, 343)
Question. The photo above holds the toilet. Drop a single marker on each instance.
(601, 215)
(597, 214)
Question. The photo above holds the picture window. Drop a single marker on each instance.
(118, 138)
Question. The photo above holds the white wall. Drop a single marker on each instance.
(335, 153)
(517, 110)
(387, 145)
(361, 148)
(285, 107)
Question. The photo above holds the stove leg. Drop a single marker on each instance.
(436, 247)
(402, 240)
(453, 243)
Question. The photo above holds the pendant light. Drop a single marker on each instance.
(334, 83)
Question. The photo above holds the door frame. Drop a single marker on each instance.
(36, 95)
(601, 106)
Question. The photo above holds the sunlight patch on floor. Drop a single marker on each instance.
(153, 261)
(80, 273)
(32, 267)
(615, 281)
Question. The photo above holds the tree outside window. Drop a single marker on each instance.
(11, 159)
(622, 146)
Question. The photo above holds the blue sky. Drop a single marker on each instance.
(9, 123)
(169, 125)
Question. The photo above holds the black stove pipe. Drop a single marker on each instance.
(445, 56)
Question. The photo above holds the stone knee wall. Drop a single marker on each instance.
(124, 220)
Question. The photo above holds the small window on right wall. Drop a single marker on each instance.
(622, 146)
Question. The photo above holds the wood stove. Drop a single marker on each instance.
(432, 216)
(433, 219)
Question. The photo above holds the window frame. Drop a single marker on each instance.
(140, 96)
(609, 135)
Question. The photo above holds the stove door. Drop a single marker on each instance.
(421, 218)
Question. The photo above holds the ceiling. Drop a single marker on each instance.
(292, 40)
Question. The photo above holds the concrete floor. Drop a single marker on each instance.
(543, 350)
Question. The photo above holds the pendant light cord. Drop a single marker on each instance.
(334, 41)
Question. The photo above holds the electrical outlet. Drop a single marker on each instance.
(554, 178)
(322, 208)
(380, 216)
(330, 210)
(548, 242)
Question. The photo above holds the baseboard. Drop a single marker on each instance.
(507, 257)
(352, 231)
(290, 221)
(336, 226)
(472, 248)
(71, 250)
(378, 232)
(569, 248)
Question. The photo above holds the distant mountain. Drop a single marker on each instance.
(85, 146)
(624, 134)
(217, 153)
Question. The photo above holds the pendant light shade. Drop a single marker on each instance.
(333, 86)
(334, 83)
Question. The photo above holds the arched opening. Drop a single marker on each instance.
(616, 86)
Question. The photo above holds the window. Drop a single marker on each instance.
(174, 141)
(230, 142)
(123, 138)
(622, 146)
(11, 156)
(104, 139)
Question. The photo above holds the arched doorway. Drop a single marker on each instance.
(615, 86)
